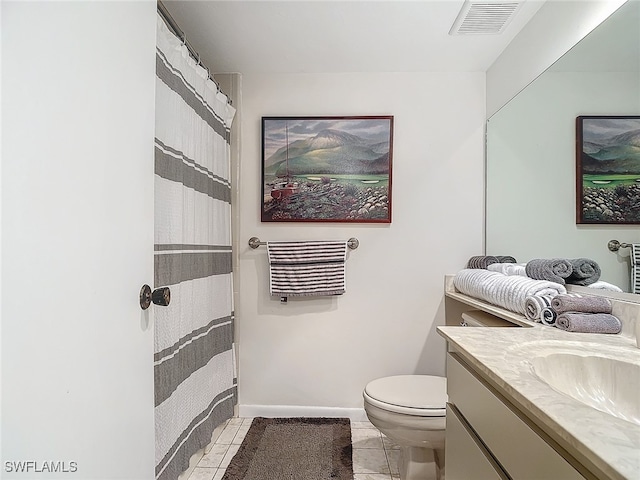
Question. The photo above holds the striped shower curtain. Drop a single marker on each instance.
(195, 381)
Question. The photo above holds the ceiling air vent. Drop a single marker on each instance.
(484, 17)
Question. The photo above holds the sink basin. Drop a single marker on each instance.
(596, 379)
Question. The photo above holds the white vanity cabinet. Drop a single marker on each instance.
(488, 438)
(466, 456)
(505, 422)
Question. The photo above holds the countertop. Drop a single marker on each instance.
(606, 445)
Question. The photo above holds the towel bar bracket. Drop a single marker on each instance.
(615, 245)
(254, 242)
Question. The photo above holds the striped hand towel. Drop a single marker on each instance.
(307, 268)
(538, 307)
(635, 254)
(635, 268)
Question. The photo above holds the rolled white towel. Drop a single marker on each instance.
(507, 291)
(605, 286)
(509, 268)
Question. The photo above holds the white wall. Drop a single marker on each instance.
(531, 171)
(321, 352)
(554, 30)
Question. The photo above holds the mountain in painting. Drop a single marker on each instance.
(331, 152)
(619, 154)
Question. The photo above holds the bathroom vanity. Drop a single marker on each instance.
(506, 415)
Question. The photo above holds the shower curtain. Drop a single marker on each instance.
(194, 370)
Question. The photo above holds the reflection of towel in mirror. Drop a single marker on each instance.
(586, 304)
(588, 322)
(600, 285)
(635, 268)
(481, 261)
(553, 270)
(505, 259)
(635, 254)
(585, 272)
(509, 268)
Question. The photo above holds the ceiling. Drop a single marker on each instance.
(296, 36)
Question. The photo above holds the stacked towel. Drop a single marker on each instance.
(589, 322)
(507, 291)
(589, 314)
(484, 261)
(509, 268)
(553, 270)
(584, 272)
(538, 309)
(307, 268)
(481, 261)
(587, 304)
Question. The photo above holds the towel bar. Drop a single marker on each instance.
(352, 243)
(615, 245)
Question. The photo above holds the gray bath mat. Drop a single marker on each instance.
(294, 448)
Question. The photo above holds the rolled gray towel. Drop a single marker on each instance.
(588, 304)
(481, 261)
(588, 322)
(505, 259)
(552, 270)
(585, 272)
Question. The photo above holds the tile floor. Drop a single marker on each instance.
(375, 457)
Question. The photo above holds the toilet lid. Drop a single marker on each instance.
(417, 394)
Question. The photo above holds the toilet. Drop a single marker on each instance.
(410, 410)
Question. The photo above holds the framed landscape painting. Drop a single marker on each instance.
(608, 169)
(327, 169)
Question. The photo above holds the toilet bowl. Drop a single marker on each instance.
(410, 410)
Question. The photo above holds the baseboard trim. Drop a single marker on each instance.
(279, 411)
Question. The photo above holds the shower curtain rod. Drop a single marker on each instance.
(173, 26)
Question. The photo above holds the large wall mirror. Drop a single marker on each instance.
(530, 183)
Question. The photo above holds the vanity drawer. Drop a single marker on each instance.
(466, 456)
(522, 453)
